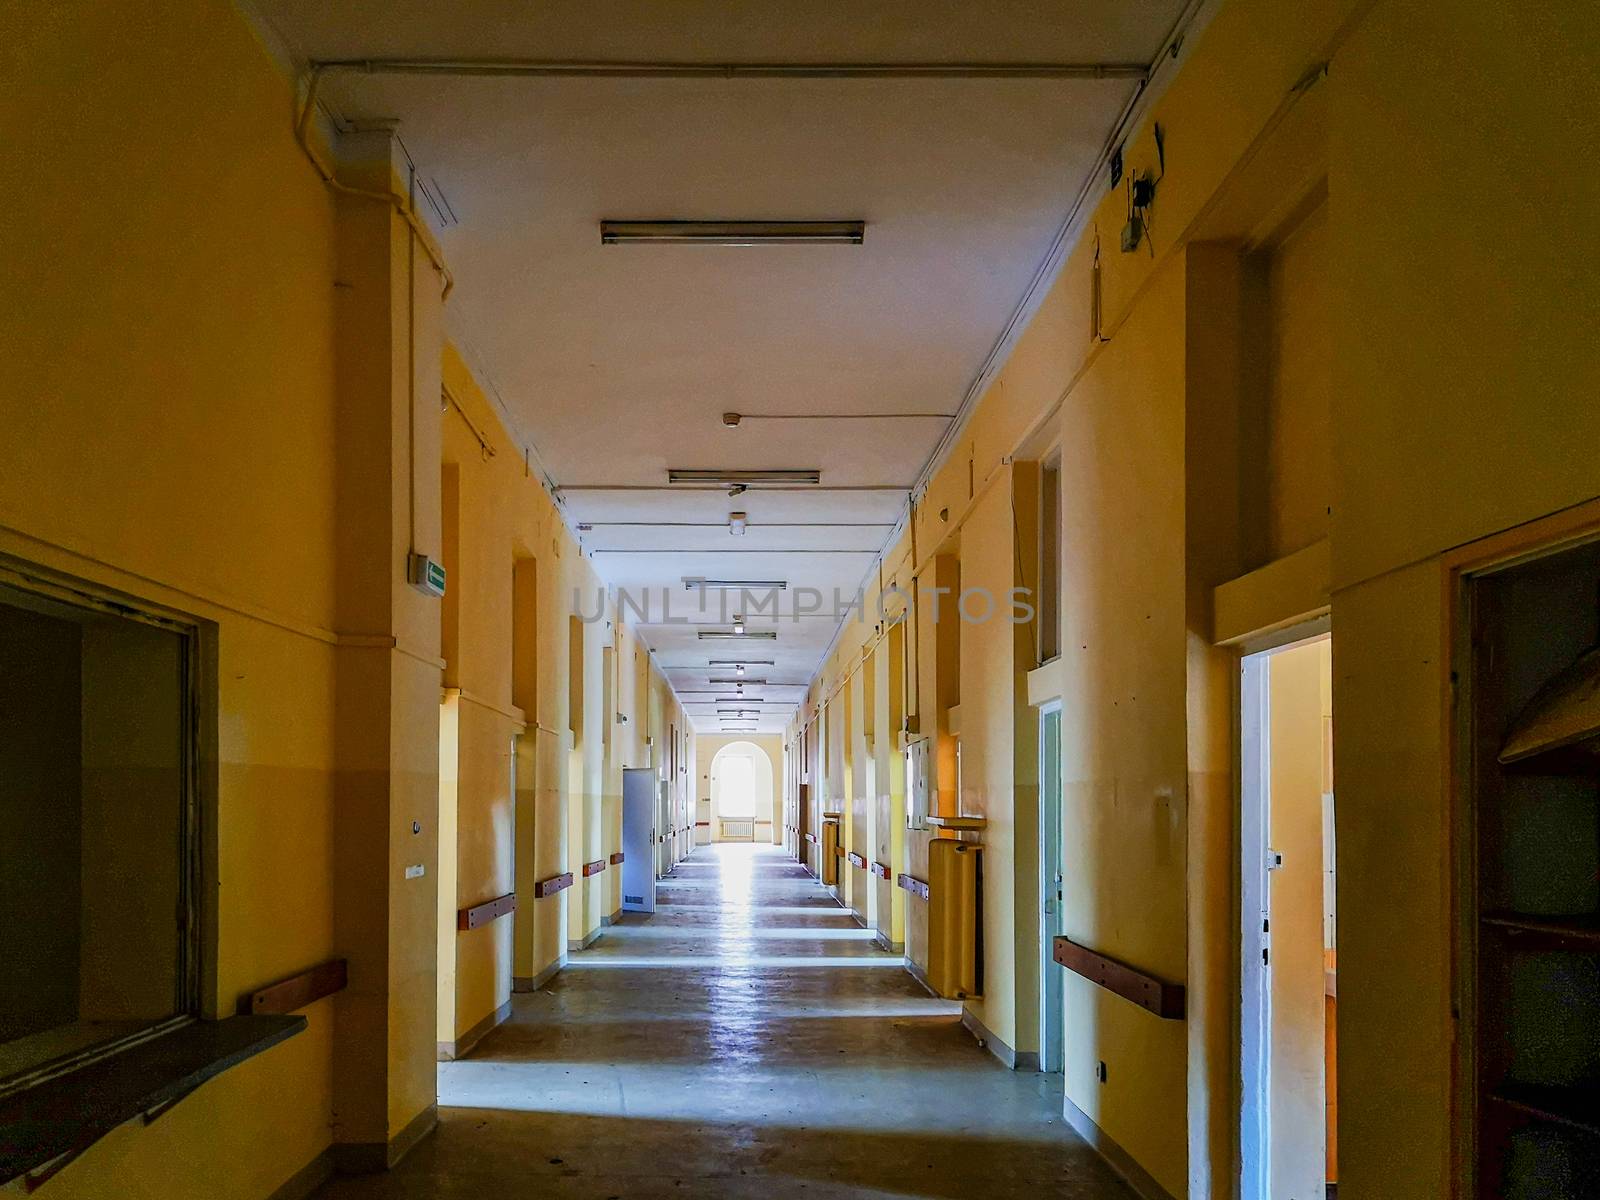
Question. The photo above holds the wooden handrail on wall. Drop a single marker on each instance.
(549, 887)
(857, 860)
(594, 868)
(297, 991)
(490, 910)
(616, 858)
(881, 870)
(1165, 1000)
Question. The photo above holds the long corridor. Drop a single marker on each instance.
(748, 1039)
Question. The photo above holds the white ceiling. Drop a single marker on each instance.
(617, 361)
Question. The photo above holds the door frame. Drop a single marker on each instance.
(1254, 714)
(1052, 860)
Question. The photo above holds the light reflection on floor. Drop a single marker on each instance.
(681, 1057)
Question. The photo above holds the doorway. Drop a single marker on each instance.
(1052, 1018)
(1288, 948)
(639, 839)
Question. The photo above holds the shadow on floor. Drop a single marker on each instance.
(486, 1154)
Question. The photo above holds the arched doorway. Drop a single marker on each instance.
(741, 792)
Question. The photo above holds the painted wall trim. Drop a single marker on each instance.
(307, 1179)
(372, 1158)
(1008, 1058)
(523, 983)
(587, 939)
(462, 1046)
(1123, 1163)
(921, 977)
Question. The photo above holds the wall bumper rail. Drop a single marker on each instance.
(288, 995)
(549, 887)
(481, 914)
(917, 887)
(1165, 1000)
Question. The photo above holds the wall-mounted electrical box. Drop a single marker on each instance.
(955, 918)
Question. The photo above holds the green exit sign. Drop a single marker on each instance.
(426, 575)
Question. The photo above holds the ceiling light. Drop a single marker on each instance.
(738, 669)
(739, 683)
(736, 523)
(740, 662)
(691, 582)
(734, 233)
(738, 623)
(722, 635)
(735, 478)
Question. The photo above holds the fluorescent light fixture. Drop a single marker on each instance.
(736, 524)
(740, 682)
(690, 582)
(733, 233)
(741, 662)
(708, 475)
(762, 635)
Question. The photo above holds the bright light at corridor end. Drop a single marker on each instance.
(734, 233)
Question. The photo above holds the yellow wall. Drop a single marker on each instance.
(160, 444)
(567, 814)
(1425, 375)
(255, 473)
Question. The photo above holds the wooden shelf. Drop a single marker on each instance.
(489, 910)
(1576, 932)
(1165, 1000)
(61, 1118)
(1576, 1108)
(288, 995)
(1566, 712)
(959, 822)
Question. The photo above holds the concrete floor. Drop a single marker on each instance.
(747, 1040)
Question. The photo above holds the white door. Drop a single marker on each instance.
(638, 840)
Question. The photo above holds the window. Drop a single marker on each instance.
(736, 795)
(98, 830)
(1049, 601)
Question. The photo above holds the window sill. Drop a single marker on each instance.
(64, 1116)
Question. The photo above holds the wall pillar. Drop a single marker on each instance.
(387, 679)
